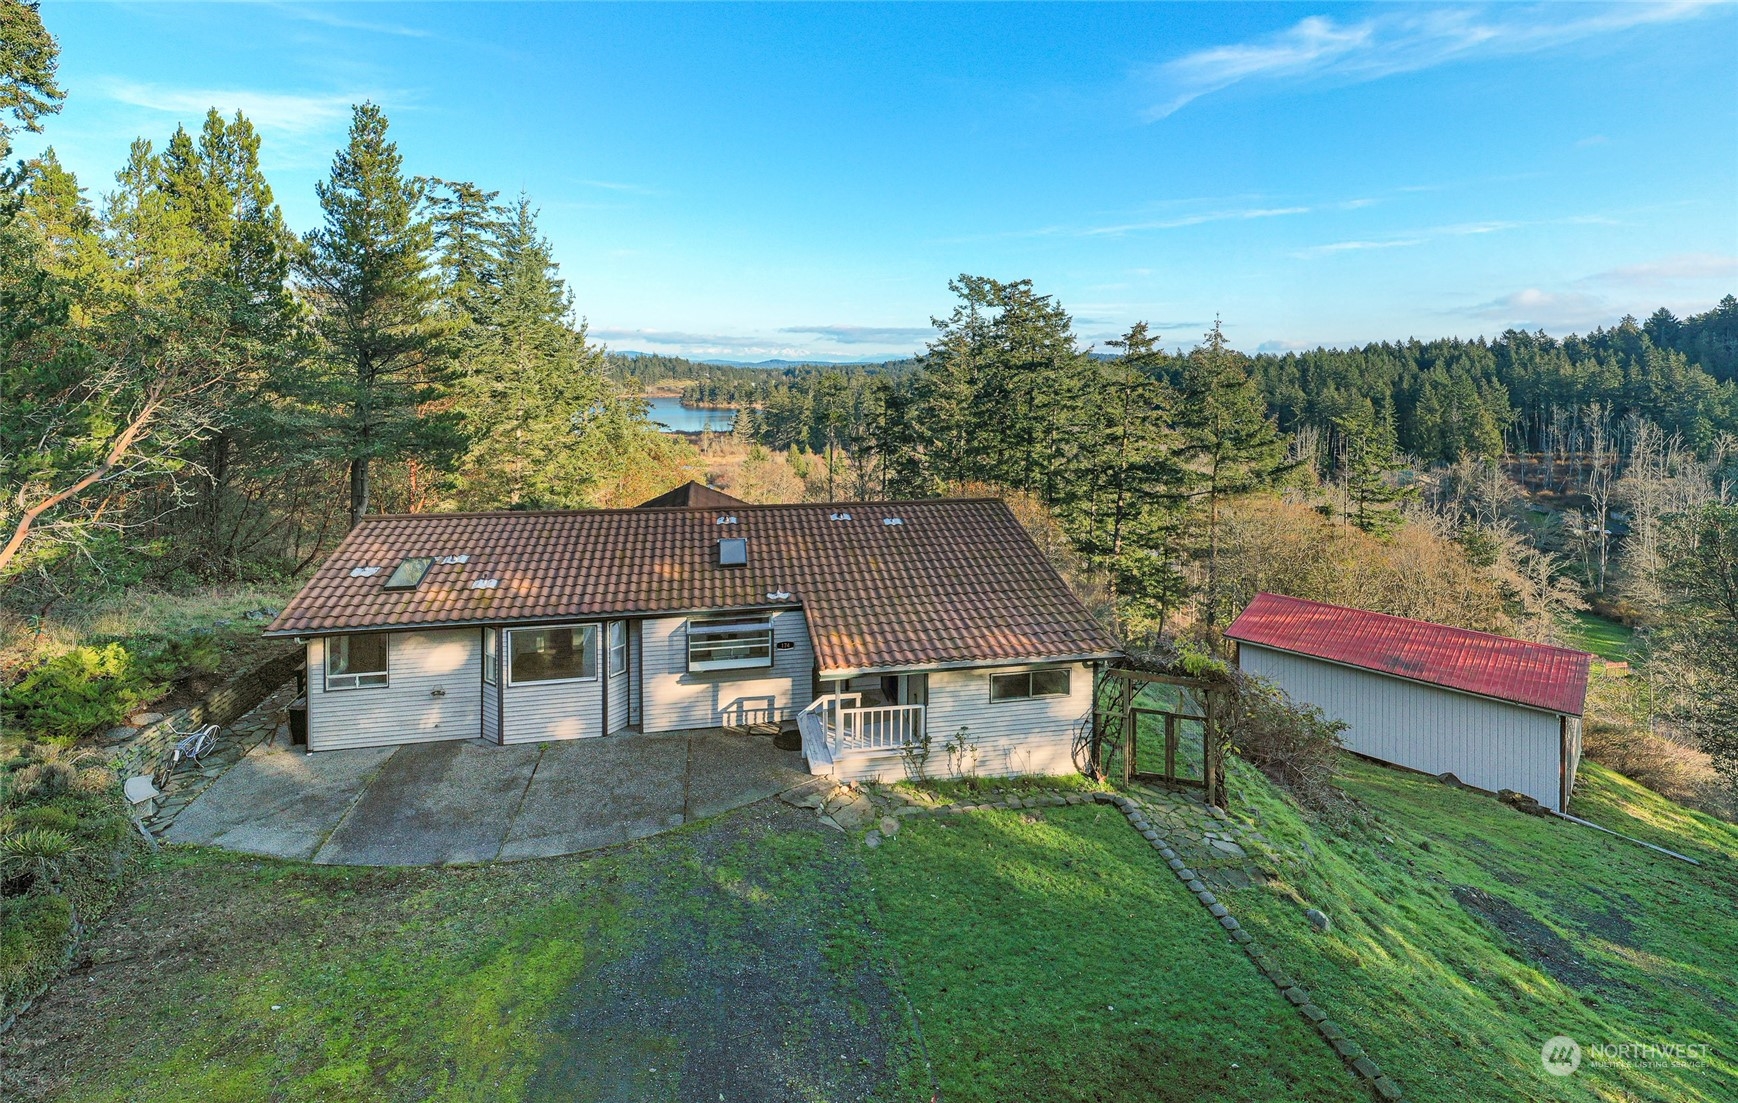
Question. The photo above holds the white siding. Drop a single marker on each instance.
(406, 710)
(1485, 743)
(634, 678)
(492, 699)
(672, 698)
(619, 688)
(553, 710)
(1030, 736)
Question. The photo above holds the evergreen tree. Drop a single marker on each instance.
(383, 351)
(1226, 439)
(1367, 466)
(538, 408)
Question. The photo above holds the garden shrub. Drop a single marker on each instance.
(35, 929)
(1293, 744)
(75, 693)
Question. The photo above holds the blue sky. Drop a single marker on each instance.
(802, 181)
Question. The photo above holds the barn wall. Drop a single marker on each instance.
(1485, 743)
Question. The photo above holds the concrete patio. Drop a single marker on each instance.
(470, 801)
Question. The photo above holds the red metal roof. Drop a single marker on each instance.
(1533, 674)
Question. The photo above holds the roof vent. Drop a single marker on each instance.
(733, 552)
(485, 583)
(364, 572)
(727, 519)
(451, 560)
(838, 516)
(778, 595)
(893, 520)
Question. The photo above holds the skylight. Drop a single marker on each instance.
(409, 573)
(733, 552)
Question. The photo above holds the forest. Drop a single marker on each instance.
(196, 394)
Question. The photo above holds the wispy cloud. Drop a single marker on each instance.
(1668, 270)
(283, 112)
(617, 186)
(1357, 246)
(1533, 308)
(1181, 221)
(1399, 42)
(310, 13)
(687, 343)
(866, 335)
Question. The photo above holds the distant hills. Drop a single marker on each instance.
(771, 364)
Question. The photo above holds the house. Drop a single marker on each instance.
(1498, 713)
(879, 627)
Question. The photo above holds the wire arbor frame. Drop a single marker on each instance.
(1158, 728)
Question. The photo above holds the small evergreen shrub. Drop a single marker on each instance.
(72, 694)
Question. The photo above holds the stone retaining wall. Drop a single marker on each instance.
(148, 750)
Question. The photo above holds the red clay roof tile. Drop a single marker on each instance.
(958, 581)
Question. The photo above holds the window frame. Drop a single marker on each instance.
(491, 656)
(513, 681)
(1067, 684)
(612, 648)
(331, 681)
(427, 561)
(699, 628)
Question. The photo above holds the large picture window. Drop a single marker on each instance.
(551, 654)
(618, 647)
(1029, 683)
(733, 644)
(356, 662)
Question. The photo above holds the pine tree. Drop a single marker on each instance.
(1226, 439)
(383, 352)
(1367, 465)
(537, 405)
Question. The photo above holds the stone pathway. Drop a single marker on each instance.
(268, 719)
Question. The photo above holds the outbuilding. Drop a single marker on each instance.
(1498, 713)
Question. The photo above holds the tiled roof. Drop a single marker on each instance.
(955, 581)
(1533, 674)
(691, 493)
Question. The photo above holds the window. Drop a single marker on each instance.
(491, 656)
(356, 662)
(409, 573)
(1030, 683)
(618, 647)
(732, 552)
(551, 654)
(729, 644)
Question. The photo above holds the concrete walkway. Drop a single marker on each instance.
(470, 801)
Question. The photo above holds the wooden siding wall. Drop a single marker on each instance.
(1030, 736)
(554, 710)
(671, 698)
(1485, 743)
(492, 700)
(405, 710)
(619, 688)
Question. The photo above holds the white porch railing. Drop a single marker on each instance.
(843, 727)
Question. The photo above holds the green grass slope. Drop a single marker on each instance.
(1053, 956)
(1466, 934)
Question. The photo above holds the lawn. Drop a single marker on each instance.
(1052, 956)
(1606, 638)
(1466, 934)
(1042, 955)
(730, 958)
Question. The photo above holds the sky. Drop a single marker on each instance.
(802, 181)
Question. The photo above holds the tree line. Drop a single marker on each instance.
(192, 390)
